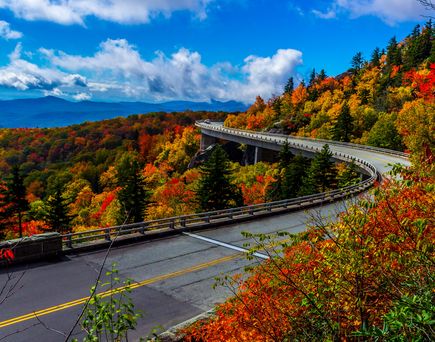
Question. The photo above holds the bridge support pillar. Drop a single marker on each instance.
(250, 155)
(255, 154)
(258, 154)
(207, 141)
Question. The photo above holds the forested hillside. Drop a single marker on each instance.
(130, 169)
(385, 101)
(67, 177)
(370, 275)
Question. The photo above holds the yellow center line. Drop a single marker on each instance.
(83, 300)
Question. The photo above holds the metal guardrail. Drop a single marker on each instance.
(213, 218)
(268, 137)
(227, 216)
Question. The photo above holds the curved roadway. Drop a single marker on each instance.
(174, 276)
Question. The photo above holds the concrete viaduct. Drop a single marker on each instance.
(173, 276)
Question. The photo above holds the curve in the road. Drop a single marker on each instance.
(174, 274)
(380, 158)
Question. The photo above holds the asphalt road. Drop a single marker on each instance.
(173, 276)
(177, 272)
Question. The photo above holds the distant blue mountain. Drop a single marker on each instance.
(52, 111)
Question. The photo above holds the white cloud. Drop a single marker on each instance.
(390, 11)
(330, 14)
(121, 70)
(82, 96)
(292, 7)
(54, 92)
(7, 33)
(121, 11)
(23, 75)
(75, 80)
(118, 71)
(267, 75)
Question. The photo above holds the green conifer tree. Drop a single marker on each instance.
(376, 56)
(432, 53)
(322, 75)
(57, 213)
(290, 86)
(293, 177)
(132, 195)
(278, 191)
(357, 63)
(313, 78)
(343, 128)
(394, 56)
(410, 54)
(215, 190)
(276, 104)
(285, 156)
(425, 40)
(321, 175)
(15, 197)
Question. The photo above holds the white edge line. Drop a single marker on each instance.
(226, 245)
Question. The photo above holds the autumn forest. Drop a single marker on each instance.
(362, 277)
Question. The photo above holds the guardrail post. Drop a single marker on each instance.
(142, 229)
(172, 224)
(207, 218)
(107, 234)
(69, 241)
(251, 211)
(183, 222)
(269, 207)
(230, 214)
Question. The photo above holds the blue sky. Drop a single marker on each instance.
(159, 50)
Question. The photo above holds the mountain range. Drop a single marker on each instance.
(52, 111)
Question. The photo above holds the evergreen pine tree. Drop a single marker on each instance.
(394, 56)
(290, 86)
(321, 175)
(322, 75)
(15, 197)
(285, 156)
(278, 190)
(215, 190)
(357, 62)
(132, 194)
(432, 52)
(294, 173)
(425, 40)
(343, 127)
(376, 56)
(57, 216)
(313, 92)
(410, 56)
(313, 77)
(276, 104)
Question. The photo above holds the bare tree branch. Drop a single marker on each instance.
(48, 328)
(428, 4)
(94, 289)
(6, 337)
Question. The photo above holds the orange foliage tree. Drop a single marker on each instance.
(175, 197)
(339, 280)
(423, 82)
